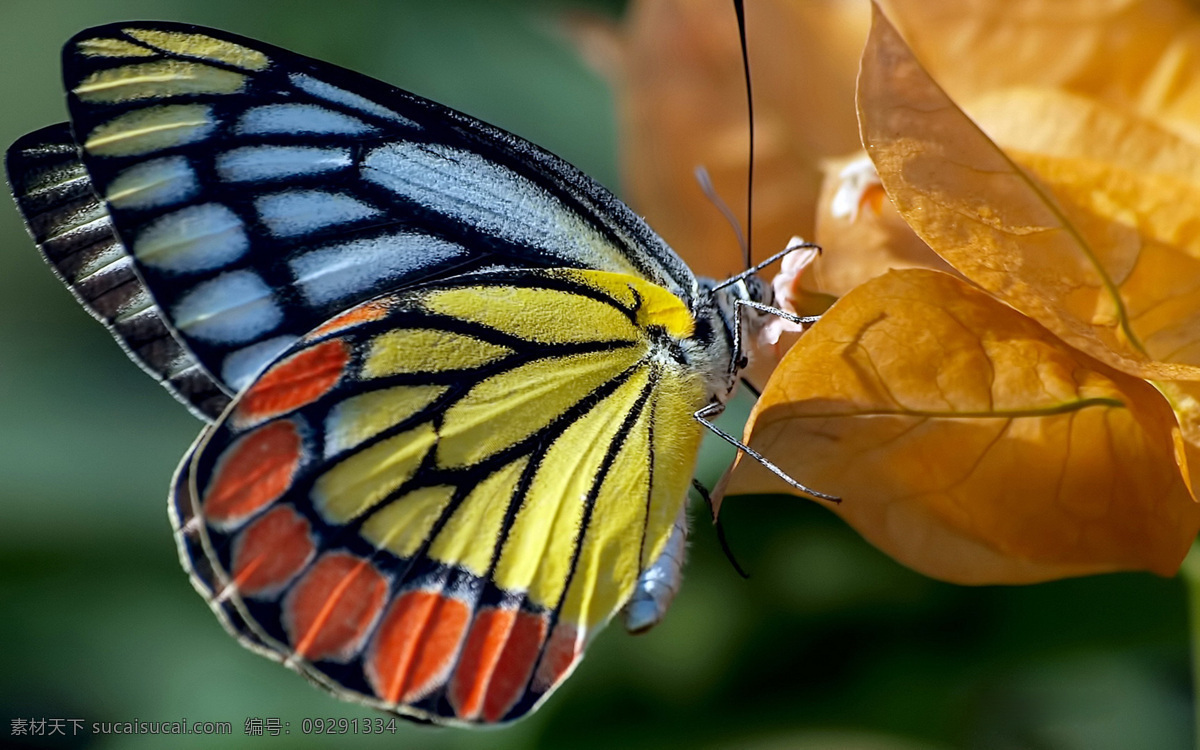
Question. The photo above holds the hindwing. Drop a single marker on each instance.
(432, 502)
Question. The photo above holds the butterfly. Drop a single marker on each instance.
(452, 387)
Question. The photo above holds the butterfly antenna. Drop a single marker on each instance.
(710, 192)
(740, 9)
(712, 509)
(760, 266)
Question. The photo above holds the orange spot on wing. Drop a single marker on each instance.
(496, 663)
(328, 613)
(364, 313)
(416, 645)
(294, 382)
(562, 652)
(253, 472)
(271, 551)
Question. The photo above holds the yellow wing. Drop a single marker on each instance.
(433, 502)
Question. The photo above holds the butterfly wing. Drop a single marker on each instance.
(431, 503)
(255, 193)
(74, 230)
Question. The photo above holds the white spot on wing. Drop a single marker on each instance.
(331, 93)
(144, 130)
(278, 162)
(153, 183)
(195, 238)
(492, 197)
(303, 211)
(230, 309)
(338, 272)
(241, 367)
(272, 119)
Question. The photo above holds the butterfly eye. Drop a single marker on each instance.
(758, 290)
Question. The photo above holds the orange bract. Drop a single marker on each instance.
(969, 442)
(865, 245)
(682, 104)
(1051, 428)
(1138, 55)
(1085, 248)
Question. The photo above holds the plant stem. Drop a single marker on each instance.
(1190, 572)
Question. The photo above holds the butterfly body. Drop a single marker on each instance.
(451, 382)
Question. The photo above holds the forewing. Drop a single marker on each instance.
(73, 229)
(257, 192)
(433, 502)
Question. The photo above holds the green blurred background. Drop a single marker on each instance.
(828, 645)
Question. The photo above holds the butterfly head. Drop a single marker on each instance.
(736, 318)
(752, 289)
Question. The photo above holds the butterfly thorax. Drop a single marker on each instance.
(718, 319)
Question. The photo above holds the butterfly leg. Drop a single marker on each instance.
(703, 491)
(739, 360)
(713, 410)
(791, 248)
(657, 586)
(802, 320)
